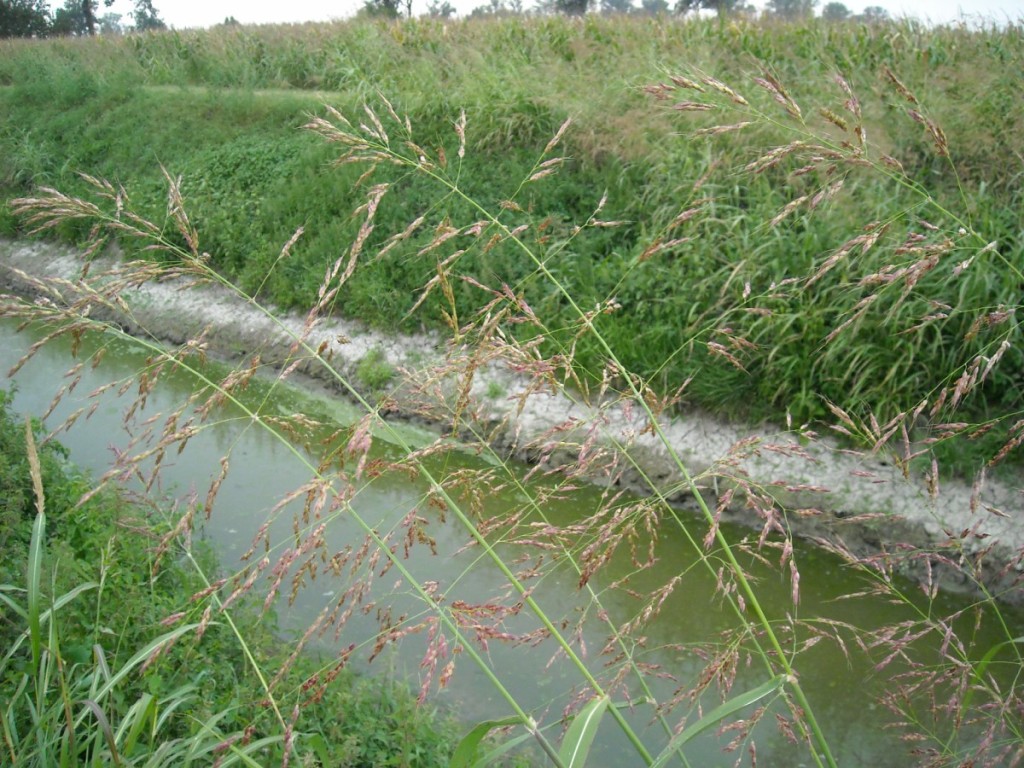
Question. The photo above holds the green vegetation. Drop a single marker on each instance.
(223, 109)
(373, 371)
(34, 18)
(836, 236)
(251, 177)
(84, 599)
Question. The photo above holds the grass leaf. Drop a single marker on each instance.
(580, 736)
(35, 553)
(718, 714)
(979, 669)
(140, 657)
(141, 712)
(466, 753)
(105, 728)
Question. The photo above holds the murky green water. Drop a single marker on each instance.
(842, 688)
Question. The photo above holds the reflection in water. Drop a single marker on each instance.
(842, 688)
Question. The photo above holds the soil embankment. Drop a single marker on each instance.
(860, 502)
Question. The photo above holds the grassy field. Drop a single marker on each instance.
(224, 109)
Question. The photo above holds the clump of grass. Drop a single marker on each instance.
(68, 703)
(374, 371)
(896, 290)
(496, 390)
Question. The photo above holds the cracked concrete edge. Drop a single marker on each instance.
(861, 502)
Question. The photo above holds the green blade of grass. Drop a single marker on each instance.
(172, 703)
(4, 588)
(140, 657)
(580, 736)
(35, 552)
(105, 729)
(491, 757)
(717, 715)
(982, 665)
(466, 752)
(243, 754)
(141, 712)
(35, 557)
(66, 598)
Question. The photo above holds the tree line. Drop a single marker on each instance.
(782, 9)
(33, 18)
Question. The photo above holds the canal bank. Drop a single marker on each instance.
(862, 503)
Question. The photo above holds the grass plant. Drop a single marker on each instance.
(373, 370)
(886, 317)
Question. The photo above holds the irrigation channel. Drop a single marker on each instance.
(842, 690)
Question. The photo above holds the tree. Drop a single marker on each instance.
(70, 21)
(89, 12)
(499, 8)
(722, 7)
(24, 18)
(874, 14)
(78, 17)
(492, 8)
(835, 12)
(440, 9)
(110, 24)
(572, 7)
(146, 17)
(616, 6)
(386, 9)
(791, 9)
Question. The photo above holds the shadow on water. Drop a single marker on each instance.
(843, 688)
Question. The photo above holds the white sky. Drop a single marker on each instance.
(204, 13)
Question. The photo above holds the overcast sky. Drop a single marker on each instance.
(204, 13)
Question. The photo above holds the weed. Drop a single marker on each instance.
(496, 390)
(374, 371)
